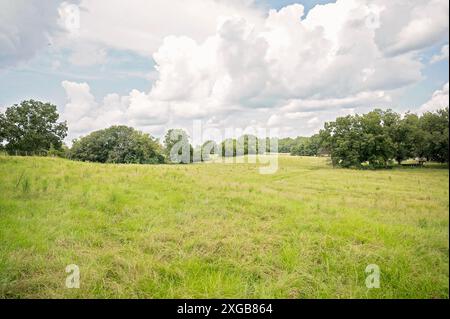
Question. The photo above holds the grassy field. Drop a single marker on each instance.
(221, 230)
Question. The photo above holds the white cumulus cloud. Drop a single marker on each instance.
(142, 25)
(25, 28)
(438, 100)
(443, 55)
(83, 113)
(236, 66)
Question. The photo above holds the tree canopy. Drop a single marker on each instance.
(376, 139)
(244, 145)
(117, 144)
(287, 145)
(307, 146)
(380, 136)
(31, 126)
(434, 144)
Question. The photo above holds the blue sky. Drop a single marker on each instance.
(36, 79)
(119, 67)
(278, 4)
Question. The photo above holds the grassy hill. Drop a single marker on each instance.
(221, 230)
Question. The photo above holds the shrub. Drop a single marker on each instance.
(117, 144)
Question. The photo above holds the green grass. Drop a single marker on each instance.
(221, 230)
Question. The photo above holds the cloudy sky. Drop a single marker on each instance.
(158, 64)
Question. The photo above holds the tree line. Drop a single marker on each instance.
(376, 139)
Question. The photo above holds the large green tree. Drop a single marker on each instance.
(31, 126)
(408, 137)
(117, 144)
(436, 140)
(377, 147)
(356, 139)
(381, 136)
(343, 138)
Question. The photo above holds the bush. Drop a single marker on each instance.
(117, 144)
